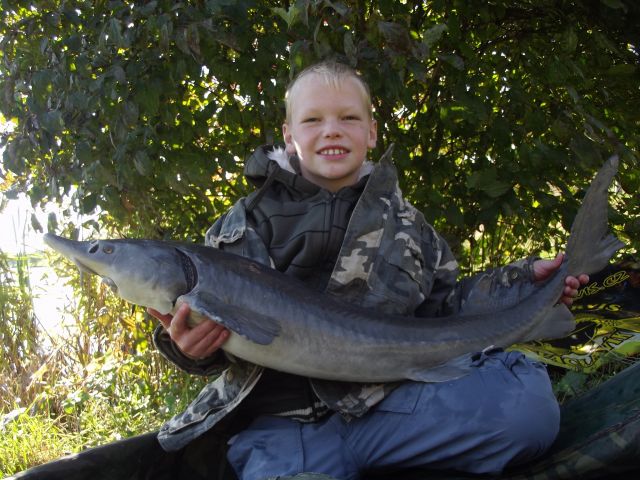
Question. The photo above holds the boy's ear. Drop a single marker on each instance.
(373, 134)
(288, 139)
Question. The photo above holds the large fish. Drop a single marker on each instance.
(279, 323)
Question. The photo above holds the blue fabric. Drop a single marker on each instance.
(503, 413)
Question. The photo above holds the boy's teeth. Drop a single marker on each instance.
(333, 151)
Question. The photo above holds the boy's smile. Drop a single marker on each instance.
(331, 130)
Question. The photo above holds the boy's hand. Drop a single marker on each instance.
(542, 269)
(198, 342)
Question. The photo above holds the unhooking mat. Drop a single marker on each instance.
(607, 313)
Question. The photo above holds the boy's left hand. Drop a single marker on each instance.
(543, 268)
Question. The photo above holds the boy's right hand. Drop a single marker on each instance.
(198, 342)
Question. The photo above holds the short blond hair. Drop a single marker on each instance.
(333, 73)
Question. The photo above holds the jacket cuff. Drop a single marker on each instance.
(209, 366)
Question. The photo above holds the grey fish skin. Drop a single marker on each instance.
(279, 323)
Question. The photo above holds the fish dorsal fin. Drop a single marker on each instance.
(252, 325)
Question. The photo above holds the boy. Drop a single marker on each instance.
(340, 224)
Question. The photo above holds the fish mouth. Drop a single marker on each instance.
(71, 249)
(106, 280)
(83, 267)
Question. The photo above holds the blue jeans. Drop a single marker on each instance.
(501, 414)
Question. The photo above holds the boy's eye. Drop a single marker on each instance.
(351, 117)
(310, 120)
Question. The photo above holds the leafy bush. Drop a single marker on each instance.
(499, 112)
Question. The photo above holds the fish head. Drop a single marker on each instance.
(144, 272)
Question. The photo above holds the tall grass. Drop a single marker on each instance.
(20, 352)
(99, 380)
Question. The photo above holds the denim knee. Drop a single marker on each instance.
(532, 423)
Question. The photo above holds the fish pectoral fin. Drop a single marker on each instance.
(454, 368)
(557, 322)
(252, 325)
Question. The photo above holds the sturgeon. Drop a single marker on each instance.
(278, 322)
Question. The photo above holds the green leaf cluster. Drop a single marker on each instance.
(142, 113)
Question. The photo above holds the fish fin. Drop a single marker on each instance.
(557, 322)
(590, 246)
(252, 325)
(455, 368)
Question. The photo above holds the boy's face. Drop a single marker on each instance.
(330, 129)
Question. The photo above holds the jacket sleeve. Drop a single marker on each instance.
(449, 295)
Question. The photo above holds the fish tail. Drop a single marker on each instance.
(591, 245)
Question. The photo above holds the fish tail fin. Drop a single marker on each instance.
(590, 245)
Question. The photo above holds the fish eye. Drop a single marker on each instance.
(107, 249)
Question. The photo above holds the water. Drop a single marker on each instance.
(18, 238)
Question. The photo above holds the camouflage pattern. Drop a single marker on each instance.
(391, 259)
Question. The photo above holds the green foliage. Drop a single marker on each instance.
(499, 112)
(123, 397)
(99, 381)
(20, 352)
(26, 441)
(114, 397)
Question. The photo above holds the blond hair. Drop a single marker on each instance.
(332, 73)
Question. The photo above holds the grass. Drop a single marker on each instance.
(114, 400)
(27, 440)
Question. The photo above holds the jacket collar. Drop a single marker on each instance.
(269, 159)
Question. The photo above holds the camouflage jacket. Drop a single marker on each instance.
(391, 259)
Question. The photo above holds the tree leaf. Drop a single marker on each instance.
(124, 98)
(487, 181)
(454, 60)
(615, 4)
(622, 70)
(433, 34)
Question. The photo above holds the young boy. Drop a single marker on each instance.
(325, 215)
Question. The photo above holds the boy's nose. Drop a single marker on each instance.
(332, 129)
